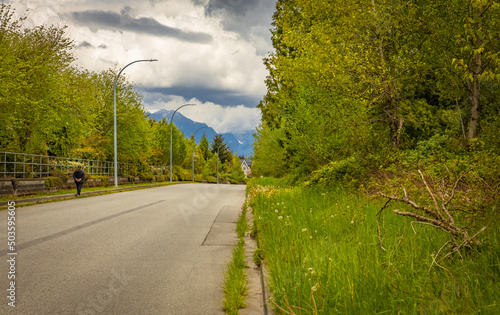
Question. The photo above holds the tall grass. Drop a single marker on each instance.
(324, 254)
(235, 278)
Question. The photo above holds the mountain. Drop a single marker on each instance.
(240, 144)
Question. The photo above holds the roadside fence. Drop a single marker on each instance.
(22, 165)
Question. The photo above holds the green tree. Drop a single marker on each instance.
(464, 50)
(36, 64)
(204, 146)
(218, 145)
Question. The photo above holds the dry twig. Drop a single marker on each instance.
(434, 217)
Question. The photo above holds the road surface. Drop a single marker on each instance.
(153, 251)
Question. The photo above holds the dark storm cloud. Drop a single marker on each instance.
(221, 97)
(95, 19)
(238, 7)
(248, 18)
(84, 44)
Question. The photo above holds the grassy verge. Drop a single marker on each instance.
(235, 278)
(325, 256)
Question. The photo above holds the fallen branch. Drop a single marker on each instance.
(436, 223)
(439, 217)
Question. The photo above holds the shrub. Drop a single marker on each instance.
(198, 178)
(52, 181)
(210, 179)
(104, 180)
(146, 177)
(348, 171)
(62, 178)
(160, 178)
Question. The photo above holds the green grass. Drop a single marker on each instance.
(235, 278)
(324, 256)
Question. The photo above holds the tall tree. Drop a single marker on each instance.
(219, 145)
(464, 44)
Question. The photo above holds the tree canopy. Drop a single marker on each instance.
(375, 81)
(50, 106)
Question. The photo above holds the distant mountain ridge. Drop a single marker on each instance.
(240, 144)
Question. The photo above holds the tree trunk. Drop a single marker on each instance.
(476, 86)
(475, 93)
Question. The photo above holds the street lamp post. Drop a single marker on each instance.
(194, 140)
(114, 109)
(171, 119)
(218, 161)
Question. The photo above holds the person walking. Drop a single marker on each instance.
(78, 176)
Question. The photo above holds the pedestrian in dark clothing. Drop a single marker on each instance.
(78, 176)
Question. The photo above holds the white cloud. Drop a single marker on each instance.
(230, 62)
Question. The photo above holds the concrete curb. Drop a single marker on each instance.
(257, 302)
(84, 193)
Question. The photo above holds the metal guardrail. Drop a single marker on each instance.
(22, 165)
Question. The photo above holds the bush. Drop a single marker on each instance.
(146, 177)
(104, 180)
(160, 178)
(52, 181)
(210, 179)
(62, 178)
(198, 178)
(347, 171)
(182, 174)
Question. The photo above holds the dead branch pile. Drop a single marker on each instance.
(438, 216)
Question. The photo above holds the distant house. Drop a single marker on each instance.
(246, 165)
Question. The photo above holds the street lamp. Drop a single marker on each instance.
(171, 119)
(114, 91)
(194, 140)
(218, 161)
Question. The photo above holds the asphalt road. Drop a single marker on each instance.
(153, 251)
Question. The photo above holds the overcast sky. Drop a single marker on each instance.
(209, 51)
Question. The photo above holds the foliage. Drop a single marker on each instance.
(211, 179)
(220, 147)
(52, 181)
(346, 172)
(50, 106)
(235, 287)
(380, 81)
(103, 179)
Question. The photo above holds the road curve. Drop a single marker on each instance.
(153, 251)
